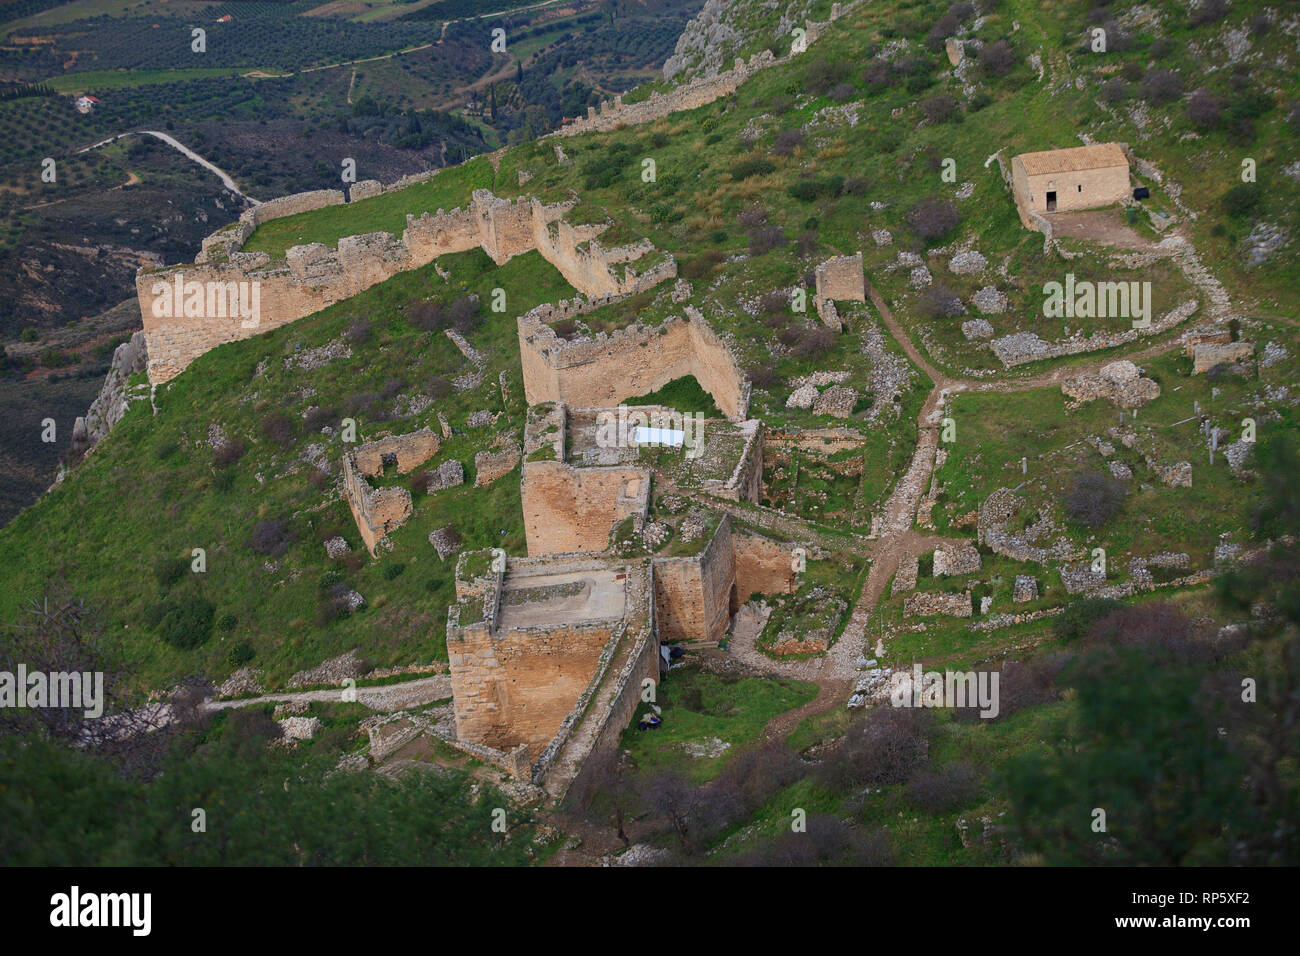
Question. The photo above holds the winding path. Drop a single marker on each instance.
(835, 673)
(171, 141)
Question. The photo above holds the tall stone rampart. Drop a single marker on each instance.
(190, 309)
(693, 594)
(573, 509)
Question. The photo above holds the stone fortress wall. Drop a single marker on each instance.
(314, 276)
(602, 371)
(536, 699)
(615, 114)
(573, 509)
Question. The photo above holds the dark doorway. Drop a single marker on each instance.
(1051, 201)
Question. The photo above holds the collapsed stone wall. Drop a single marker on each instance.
(1206, 355)
(693, 595)
(573, 509)
(377, 511)
(190, 309)
(841, 278)
(404, 452)
(602, 371)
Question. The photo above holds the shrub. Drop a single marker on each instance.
(318, 418)
(938, 791)
(1114, 91)
(1205, 110)
(884, 749)
(1260, 24)
(224, 480)
(228, 452)
(842, 92)
(1078, 616)
(822, 75)
(996, 59)
(855, 185)
(167, 571)
(240, 654)
(1240, 200)
(359, 332)
(393, 571)
(807, 190)
(270, 537)
(813, 339)
(1207, 12)
(187, 623)
(752, 167)
(762, 375)
(1161, 48)
(780, 104)
(753, 216)
(165, 449)
(53, 358)
(227, 622)
(766, 239)
(278, 427)
(29, 334)
(940, 302)
(807, 243)
(877, 73)
(939, 109)
(933, 218)
(428, 316)
(438, 387)
(463, 314)
(1162, 86)
(787, 141)
(1093, 498)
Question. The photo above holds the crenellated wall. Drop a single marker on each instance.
(182, 322)
(602, 371)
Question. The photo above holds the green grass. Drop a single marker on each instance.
(699, 706)
(105, 552)
(685, 395)
(450, 189)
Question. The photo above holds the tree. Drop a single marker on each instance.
(933, 218)
(1093, 498)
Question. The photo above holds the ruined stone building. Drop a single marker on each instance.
(1064, 180)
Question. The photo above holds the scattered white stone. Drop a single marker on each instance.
(708, 747)
(968, 262)
(977, 329)
(336, 547)
(883, 237)
(300, 728)
(989, 301)
(802, 397)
